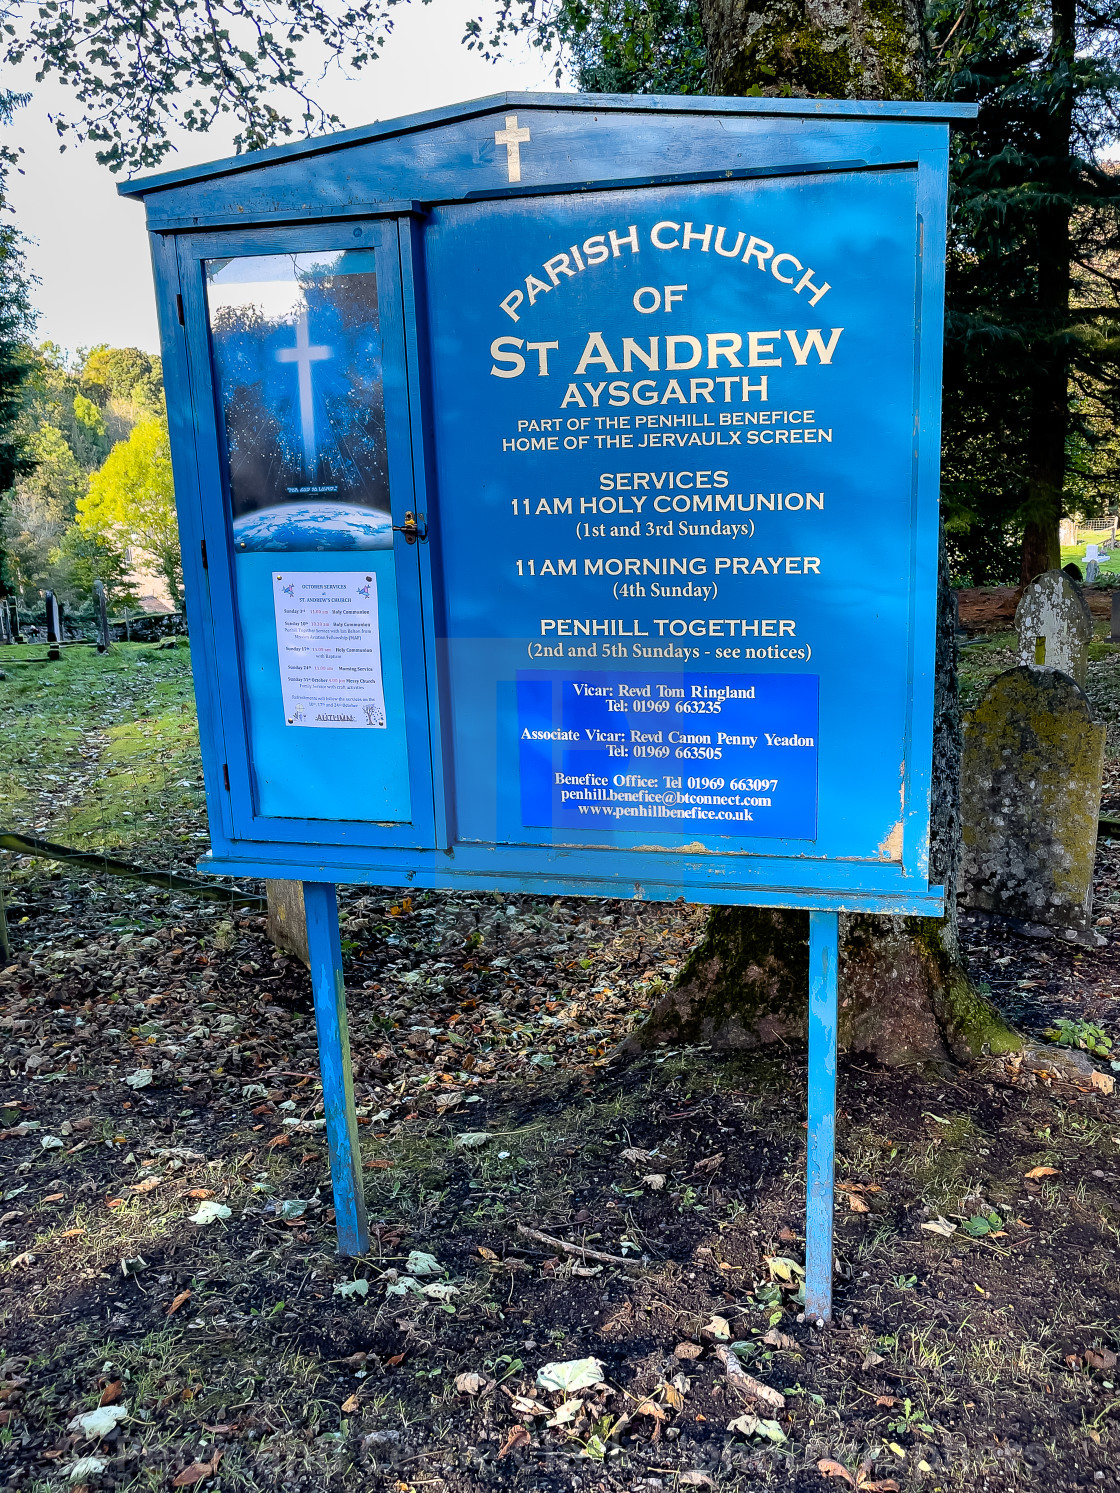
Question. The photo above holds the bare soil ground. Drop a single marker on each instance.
(159, 1068)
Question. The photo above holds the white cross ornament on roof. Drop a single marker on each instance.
(513, 139)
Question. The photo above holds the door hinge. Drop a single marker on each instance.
(225, 775)
(205, 562)
(179, 310)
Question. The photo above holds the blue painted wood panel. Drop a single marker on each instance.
(706, 462)
(304, 773)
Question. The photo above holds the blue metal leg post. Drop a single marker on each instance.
(325, 950)
(824, 941)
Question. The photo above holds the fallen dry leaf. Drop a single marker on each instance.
(1103, 1081)
(674, 1395)
(199, 1192)
(146, 1184)
(526, 1406)
(197, 1472)
(111, 1392)
(517, 1437)
(857, 1204)
(940, 1226)
(687, 1350)
(1100, 1358)
(829, 1468)
(636, 1156)
(182, 1297)
(718, 1327)
(776, 1339)
(351, 1404)
(278, 1140)
(1041, 1171)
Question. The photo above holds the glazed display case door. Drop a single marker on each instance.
(297, 353)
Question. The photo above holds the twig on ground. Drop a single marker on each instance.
(574, 1249)
(746, 1384)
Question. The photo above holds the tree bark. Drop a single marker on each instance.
(905, 994)
(814, 48)
(1049, 412)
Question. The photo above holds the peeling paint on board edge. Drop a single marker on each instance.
(694, 849)
(890, 848)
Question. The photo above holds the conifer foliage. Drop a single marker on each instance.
(1032, 391)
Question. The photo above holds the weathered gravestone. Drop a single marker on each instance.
(102, 617)
(1030, 797)
(54, 626)
(5, 622)
(1055, 626)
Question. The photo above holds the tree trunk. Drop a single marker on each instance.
(814, 48)
(1049, 413)
(905, 995)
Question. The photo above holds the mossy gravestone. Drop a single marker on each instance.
(1030, 797)
(1055, 626)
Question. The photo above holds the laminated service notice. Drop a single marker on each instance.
(329, 645)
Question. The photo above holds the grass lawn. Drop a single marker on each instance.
(101, 751)
(1110, 564)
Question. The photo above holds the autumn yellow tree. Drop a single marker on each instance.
(132, 499)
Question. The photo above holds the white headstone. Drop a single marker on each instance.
(1054, 626)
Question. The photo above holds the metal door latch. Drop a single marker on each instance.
(413, 528)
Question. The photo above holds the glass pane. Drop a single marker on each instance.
(297, 354)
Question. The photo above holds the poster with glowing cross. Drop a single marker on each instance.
(298, 354)
(303, 355)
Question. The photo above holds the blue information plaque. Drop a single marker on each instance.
(729, 753)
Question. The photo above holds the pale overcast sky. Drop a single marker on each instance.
(89, 247)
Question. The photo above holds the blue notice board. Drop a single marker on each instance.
(557, 479)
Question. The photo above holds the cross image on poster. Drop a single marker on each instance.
(733, 753)
(329, 646)
(298, 359)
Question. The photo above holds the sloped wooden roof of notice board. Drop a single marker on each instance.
(580, 142)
